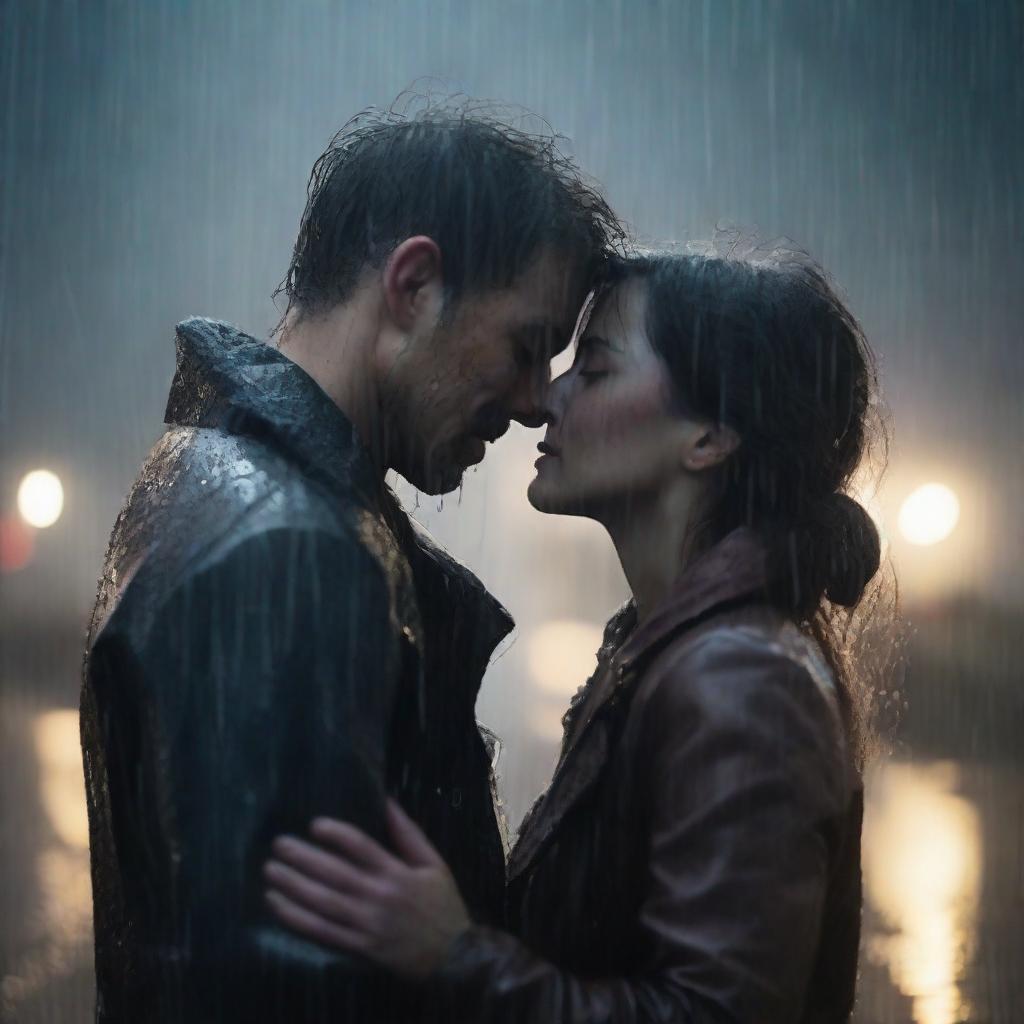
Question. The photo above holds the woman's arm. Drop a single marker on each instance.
(745, 785)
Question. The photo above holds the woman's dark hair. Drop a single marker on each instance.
(490, 194)
(764, 345)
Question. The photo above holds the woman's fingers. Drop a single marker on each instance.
(353, 843)
(338, 907)
(307, 923)
(320, 864)
(410, 840)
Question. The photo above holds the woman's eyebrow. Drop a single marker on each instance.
(596, 339)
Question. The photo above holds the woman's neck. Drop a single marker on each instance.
(651, 535)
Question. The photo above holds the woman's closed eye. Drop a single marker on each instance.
(592, 358)
(592, 363)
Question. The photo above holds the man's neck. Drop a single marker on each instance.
(336, 349)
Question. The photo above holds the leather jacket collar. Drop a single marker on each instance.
(731, 571)
(230, 380)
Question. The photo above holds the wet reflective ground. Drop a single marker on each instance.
(944, 876)
(943, 880)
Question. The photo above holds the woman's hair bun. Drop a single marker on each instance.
(851, 549)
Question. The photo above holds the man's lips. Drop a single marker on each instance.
(546, 449)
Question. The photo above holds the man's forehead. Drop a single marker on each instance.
(577, 311)
(556, 277)
(549, 333)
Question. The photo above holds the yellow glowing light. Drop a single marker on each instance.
(562, 654)
(929, 514)
(59, 752)
(64, 894)
(922, 873)
(547, 720)
(40, 498)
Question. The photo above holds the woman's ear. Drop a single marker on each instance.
(413, 282)
(708, 445)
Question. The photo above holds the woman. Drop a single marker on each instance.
(696, 857)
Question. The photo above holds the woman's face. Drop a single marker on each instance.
(613, 437)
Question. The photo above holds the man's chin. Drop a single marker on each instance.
(438, 480)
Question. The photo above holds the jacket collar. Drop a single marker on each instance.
(730, 571)
(230, 380)
(733, 570)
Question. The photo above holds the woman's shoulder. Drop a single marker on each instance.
(748, 688)
(751, 665)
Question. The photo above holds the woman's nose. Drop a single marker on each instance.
(556, 396)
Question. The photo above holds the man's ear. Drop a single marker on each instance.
(413, 283)
(708, 445)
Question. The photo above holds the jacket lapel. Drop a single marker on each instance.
(732, 570)
(578, 769)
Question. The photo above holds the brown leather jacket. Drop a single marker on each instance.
(697, 855)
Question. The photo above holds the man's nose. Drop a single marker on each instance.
(535, 417)
(530, 402)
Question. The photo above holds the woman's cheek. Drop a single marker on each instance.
(620, 416)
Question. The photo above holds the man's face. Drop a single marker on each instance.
(458, 388)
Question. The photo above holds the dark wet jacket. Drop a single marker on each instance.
(697, 855)
(273, 640)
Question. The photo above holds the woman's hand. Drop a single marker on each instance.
(346, 891)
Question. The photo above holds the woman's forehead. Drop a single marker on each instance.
(618, 312)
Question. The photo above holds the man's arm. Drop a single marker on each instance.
(264, 698)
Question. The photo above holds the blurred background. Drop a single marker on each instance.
(153, 163)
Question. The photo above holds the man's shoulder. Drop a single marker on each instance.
(207, 503)
(208, 468)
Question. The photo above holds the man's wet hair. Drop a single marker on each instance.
(491, 195)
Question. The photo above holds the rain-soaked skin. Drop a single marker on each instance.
(273, 640)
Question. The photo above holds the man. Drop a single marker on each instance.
(273, 638)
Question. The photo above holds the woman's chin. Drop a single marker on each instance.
(535, 494)
(546, 497)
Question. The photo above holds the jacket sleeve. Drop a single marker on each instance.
(262, 698)
(743, 772)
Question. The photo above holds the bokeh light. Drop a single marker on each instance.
(40, 498)
(922, 872)
(929, 514)
(562, 654)
(59, 752)
(17, 544)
